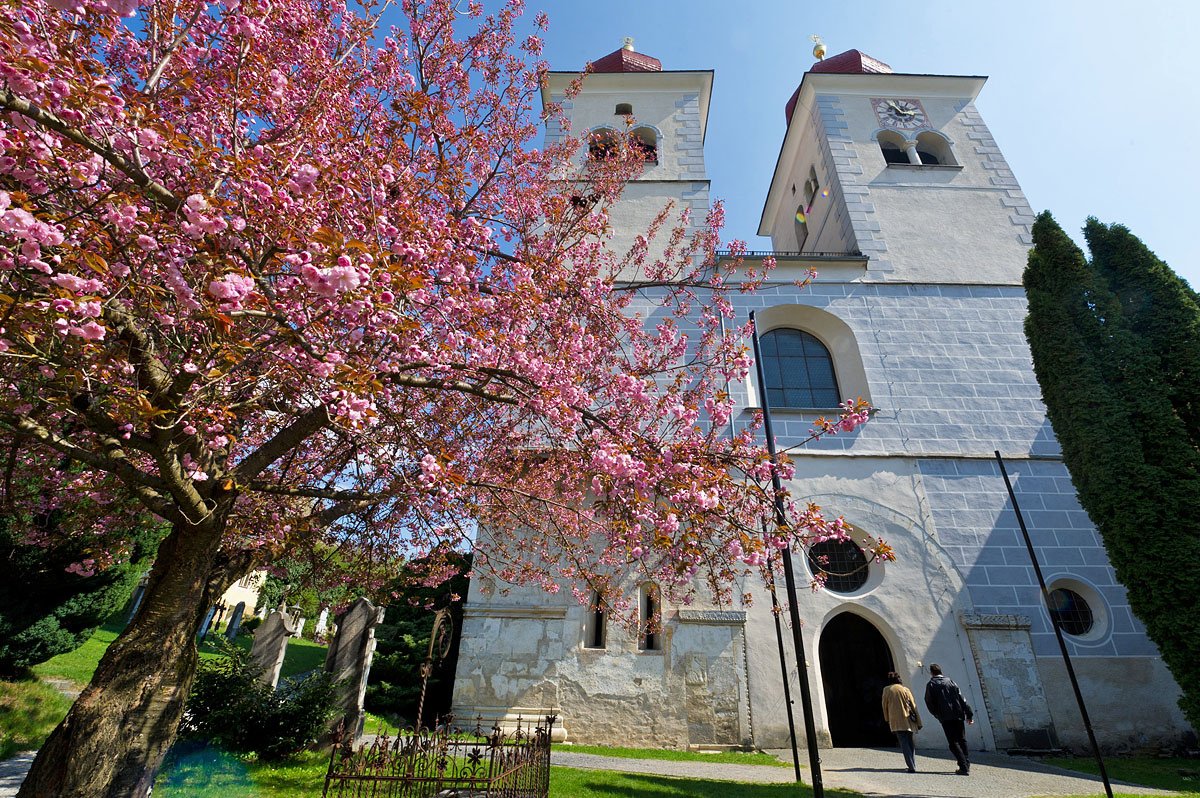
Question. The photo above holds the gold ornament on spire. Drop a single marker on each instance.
(818, 47)
(627, 43)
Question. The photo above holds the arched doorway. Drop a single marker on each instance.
(855, 659)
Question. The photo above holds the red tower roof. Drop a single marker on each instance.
(627, 61)
(850, 62)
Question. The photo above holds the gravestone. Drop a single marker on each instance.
(207, 623)
(322, 622)
(300, 628)
(270, 645)
(349, 662)
(135, 603)
(235, 621)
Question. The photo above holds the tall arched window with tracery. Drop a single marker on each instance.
(799, 370)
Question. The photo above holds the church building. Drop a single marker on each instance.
(891, 186)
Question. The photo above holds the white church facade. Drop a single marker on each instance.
(893, 188)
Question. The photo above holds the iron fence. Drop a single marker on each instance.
(445, 762)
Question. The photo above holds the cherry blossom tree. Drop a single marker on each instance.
(280, 277)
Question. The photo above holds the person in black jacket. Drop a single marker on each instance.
(946, 703)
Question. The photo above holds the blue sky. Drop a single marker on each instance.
(1095, 104)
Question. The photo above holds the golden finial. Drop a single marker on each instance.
(818, 47)
(627, 43)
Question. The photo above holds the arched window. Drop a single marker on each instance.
(596, 633)
(649, 618)
(891, 144)
(799, 370)
(603, 143)
(801, 227)
(623, 109)
(645, 139)
(934, 150)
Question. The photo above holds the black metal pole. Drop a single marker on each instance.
(787, 688)
(1062, 644)
(814, 760)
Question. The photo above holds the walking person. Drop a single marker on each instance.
(946, 703)
(900, 712)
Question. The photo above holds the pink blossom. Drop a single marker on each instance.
(91, 331)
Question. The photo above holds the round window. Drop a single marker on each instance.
(842, 563)
(1070, 611)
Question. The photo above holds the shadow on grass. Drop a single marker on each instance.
(566, 782)
(196, 770)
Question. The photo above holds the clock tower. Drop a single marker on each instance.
(902, 168)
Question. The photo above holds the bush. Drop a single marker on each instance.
(46, 611)
(249, 625)
(230, 707)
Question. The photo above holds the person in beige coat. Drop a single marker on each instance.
(900, 712)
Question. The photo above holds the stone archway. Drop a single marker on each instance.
(855, 659)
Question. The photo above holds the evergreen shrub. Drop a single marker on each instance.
(46, 610)
(229, 707)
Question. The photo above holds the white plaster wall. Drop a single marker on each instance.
(523, 654)
(1132, 703)
(914, 602)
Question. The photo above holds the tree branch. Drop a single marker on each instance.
(11, 102)
(308, 423)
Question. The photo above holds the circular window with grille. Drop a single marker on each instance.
(1070, 612)
(842, 563)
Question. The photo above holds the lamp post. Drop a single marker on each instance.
(814, 760)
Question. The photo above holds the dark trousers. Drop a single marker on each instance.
(908, 747)
(956, 736)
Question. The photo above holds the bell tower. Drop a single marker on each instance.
(666, 110)
(900, 167)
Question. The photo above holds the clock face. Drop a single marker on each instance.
(904, 114)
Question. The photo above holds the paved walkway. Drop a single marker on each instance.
(12, 773)
(880, 772)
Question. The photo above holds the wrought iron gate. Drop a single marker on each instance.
(446, 762)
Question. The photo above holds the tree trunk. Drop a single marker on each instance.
(113, 740)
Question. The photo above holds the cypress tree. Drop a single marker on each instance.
(1110, 364)
(1160, 307)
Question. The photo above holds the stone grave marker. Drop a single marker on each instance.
(203, 633)
(322, 622)
(270, 644)
(349, 662)
(235, 621)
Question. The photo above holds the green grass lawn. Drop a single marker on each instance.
(208, 773)
(731, 757)
(1162, 773)
(78, 665)
(376, 724)
(29, 711)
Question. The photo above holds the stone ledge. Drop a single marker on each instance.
(507, 718)
(715, 617)
(513, 611)
(975, 621)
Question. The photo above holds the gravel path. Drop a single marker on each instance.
(880, 772)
